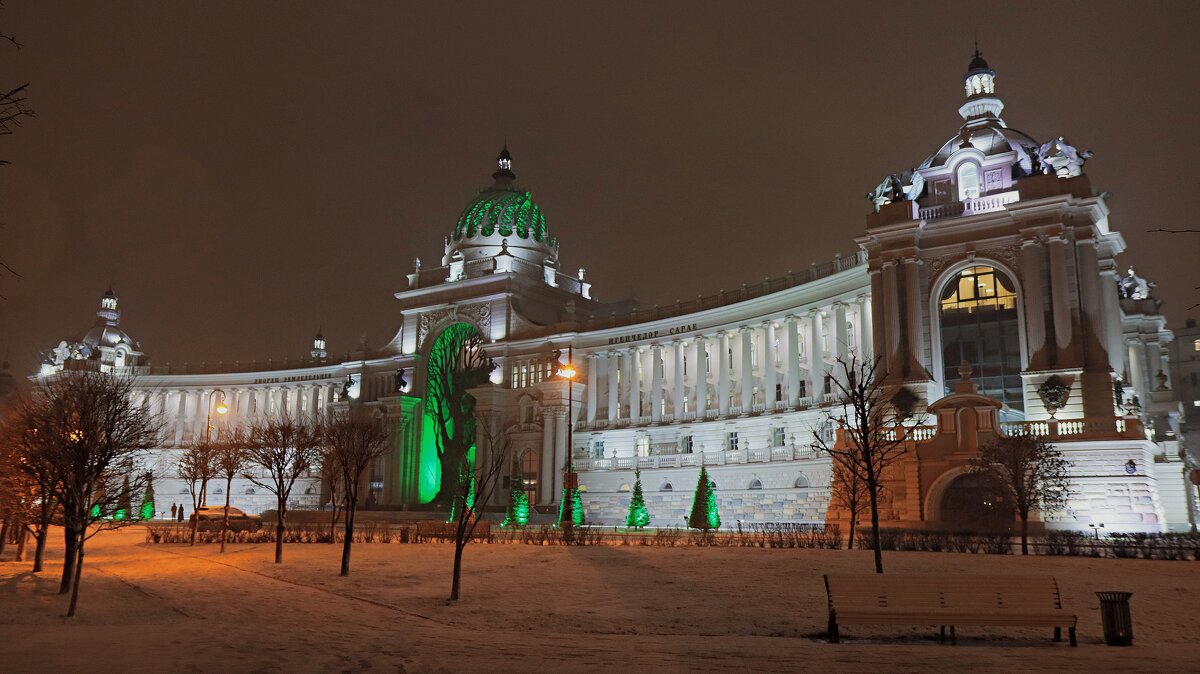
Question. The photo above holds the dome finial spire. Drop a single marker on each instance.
(504, 171)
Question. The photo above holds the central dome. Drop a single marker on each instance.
(502, 220)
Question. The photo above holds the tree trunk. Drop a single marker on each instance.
(1024, 533)
(3, 536)
(22, 536)
(349, 539)
(875, 524)
(195, 516)
(225, 520)
(853, 522)
(454, 585)
(68, 573)
(39, 552)
(78, 573)
(333, 522)
(279, 534)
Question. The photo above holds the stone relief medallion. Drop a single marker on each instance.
(1010, 255)
(478, 314)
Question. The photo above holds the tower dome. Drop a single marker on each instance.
(980, 85)
(502, 220)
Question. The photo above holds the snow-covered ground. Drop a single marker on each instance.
(160, 608)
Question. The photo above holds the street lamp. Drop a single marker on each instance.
(568, 373)
(222, 409)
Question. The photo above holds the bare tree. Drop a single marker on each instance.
(90, 427)
(351, 442)
(231, 457)
(197, 466)
(1031, 470)
(14, 108)
(849, 491)
(873, 429)
(476, 486)
(285, 449)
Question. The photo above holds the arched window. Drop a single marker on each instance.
(802, 482)
(755, 484)
(978, 309)
(968, 181)
(666, 486)
(624, 487)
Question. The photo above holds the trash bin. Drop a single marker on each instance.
(1114, 614)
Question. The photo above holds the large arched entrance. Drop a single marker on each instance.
(975, 502)
(456, 363)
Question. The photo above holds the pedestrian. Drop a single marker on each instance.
(172, 511)
(180, 512)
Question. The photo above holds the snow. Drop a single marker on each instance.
(176, 608)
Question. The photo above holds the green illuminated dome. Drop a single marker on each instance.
(502, 220)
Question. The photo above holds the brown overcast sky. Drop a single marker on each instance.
(246, 172)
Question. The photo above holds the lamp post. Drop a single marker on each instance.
(222, 409)
(567, 372)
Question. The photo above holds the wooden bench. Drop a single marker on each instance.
(954, 600)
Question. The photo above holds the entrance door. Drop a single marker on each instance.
(976, 503)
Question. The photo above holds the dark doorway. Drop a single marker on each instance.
(977, 503)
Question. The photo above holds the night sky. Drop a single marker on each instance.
(246, 173)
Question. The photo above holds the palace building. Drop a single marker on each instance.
(984, 281)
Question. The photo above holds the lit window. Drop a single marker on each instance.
(1196, 345)
(968, 181)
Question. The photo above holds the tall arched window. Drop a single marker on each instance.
(968, 181)
(978, 309)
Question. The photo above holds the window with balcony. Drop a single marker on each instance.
(778, 438)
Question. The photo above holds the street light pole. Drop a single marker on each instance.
(222, 409)
(568, 506)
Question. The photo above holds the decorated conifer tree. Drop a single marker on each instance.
(518, 502)
(576, 506)
(704, 514)
(124, 501)
(147, 509)
(638, 515)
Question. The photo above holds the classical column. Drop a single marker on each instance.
(793, 356)
(1090, 302)
(841, 340)
(866, 331)
(912, 302)
(679, 392)
(891, 316)
(1032, 253)
(1059, 295)
(770, 373)
(656, 383)
(560, 446)
(701, 388)
(614, 401)
(546, 493)
(1111, 306)
(723, 372)
(593, 373)
(634, 355)
(747, 369)
(816, 356)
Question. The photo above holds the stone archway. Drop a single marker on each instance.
(972, 502)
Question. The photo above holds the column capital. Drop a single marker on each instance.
(862, 298)
(838, 304)
(912, 260)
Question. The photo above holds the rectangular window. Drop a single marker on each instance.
(597, 449)
(803, 392)
(828, 384)
(643, 445)
(777, 437)
(779, 392)
(688, 444)
(731, 441)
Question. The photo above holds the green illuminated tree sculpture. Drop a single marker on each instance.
(457, 363)
(704, 506)
(638, 515)
(577, 517)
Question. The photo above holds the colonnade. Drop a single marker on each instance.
(184, 412)
(771, 364)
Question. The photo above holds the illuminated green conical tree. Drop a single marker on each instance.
(704, 505)
(148, 500)
(518, 502)
(576, 506)
(638, 515)
(124, 501)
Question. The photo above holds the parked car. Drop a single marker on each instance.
(209, 518)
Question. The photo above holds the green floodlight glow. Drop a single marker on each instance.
(518, 501)
(96, 511)
(638, 515)
(704, 514)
